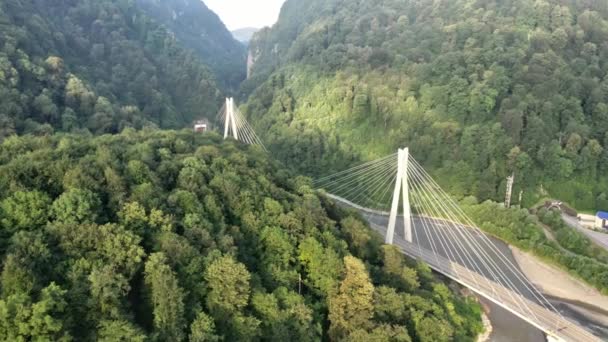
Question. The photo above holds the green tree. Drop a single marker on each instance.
(76, 206)
(228, 284)
(166, 298)
(323, 266)
(22, 320)
(108, 290)
(203, 329)
(119, 331)
(24, 211)
(351, 308)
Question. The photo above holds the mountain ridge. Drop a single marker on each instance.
(200, 29)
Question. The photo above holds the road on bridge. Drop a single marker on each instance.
(485, 277)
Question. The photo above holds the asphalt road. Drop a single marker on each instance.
(599, 238)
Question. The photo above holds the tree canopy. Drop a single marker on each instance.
(175, 236)
(100, 66)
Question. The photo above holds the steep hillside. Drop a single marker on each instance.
(477, 88)
(171, 236)
(196, 27)
(101, 65)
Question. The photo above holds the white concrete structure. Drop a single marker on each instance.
(401, 183)
(230, 124)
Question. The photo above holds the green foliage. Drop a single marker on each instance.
(351, 308)
(119, 331)
(43, 320)
(203, 329)
(102, 66)
(228, 283)
(166, 298)
(571, 251)
(285, 316)
(199, 29)
(161, 235)
(76, 206)
(24, 211)
(477, 89)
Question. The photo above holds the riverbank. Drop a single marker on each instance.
(563, 288)
(487, 325)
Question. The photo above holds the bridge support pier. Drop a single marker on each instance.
(230, 123)
(401, 182)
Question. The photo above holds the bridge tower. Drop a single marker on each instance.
(400, 184)
(230, 124)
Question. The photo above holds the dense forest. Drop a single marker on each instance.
(98, 65)
(174, 236)
(112, 229)
(199, 29)
(478, 89)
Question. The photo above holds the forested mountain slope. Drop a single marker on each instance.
(101, 65)
(196, 27)
(477, 89)
(171, 236)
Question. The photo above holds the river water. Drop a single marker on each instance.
(506, 327)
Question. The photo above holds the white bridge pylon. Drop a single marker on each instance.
(230, 121)
(401, 187)
(236, 126)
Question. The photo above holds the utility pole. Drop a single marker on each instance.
(510, 181)
(299, 283)
(521, 195)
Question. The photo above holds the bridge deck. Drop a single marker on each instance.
(549, 322)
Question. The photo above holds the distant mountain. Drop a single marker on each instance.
(198, 28)
(244, 34)
(100, 65)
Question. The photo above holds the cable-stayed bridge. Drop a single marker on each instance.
(401, 201)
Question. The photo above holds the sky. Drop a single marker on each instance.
(246, 13)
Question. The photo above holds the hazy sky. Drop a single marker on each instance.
(246, 13)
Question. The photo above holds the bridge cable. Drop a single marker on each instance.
(506, 261)
(348, 171)
(255, 137)
(484, 237)
(482, 257)
(418, 189)
(354, 177)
